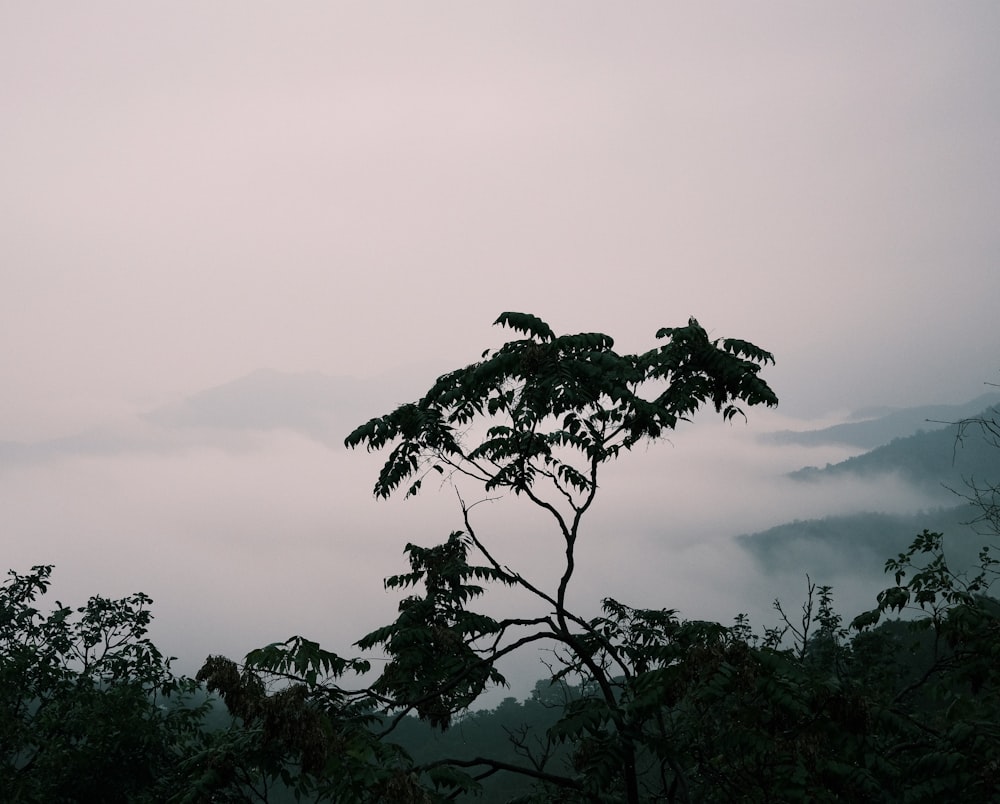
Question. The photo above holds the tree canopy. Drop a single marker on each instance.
(544, 392)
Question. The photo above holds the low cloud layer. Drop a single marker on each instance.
(248, 530)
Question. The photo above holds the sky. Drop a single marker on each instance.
(193, 193)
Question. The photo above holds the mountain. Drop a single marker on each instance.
(880, 427)
(307, 403)
(933, 461)
(862, 542)
(318, 406)
(938, 463)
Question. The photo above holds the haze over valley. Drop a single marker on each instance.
(241, 513)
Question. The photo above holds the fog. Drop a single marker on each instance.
(195, 196)
(245, 535)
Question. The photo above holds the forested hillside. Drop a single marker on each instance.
(936, 461)
(862, 542)
(944, 464)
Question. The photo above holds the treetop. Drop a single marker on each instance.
(544, 394)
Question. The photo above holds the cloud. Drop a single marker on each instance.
(248, 530)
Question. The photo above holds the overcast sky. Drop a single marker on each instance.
(190, 192)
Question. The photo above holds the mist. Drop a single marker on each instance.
(251, 533)
(327, 210)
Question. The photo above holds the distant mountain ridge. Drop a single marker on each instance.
(862, 541)
(935, 461)
(875, 432)
(322, 406)
(930, 460)
(265, 400)
(317, 406)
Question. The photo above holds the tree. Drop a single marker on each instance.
(296, 729)
(89, 708)
(657, 708)
(555, 410)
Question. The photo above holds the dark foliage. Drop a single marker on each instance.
(89, 710)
